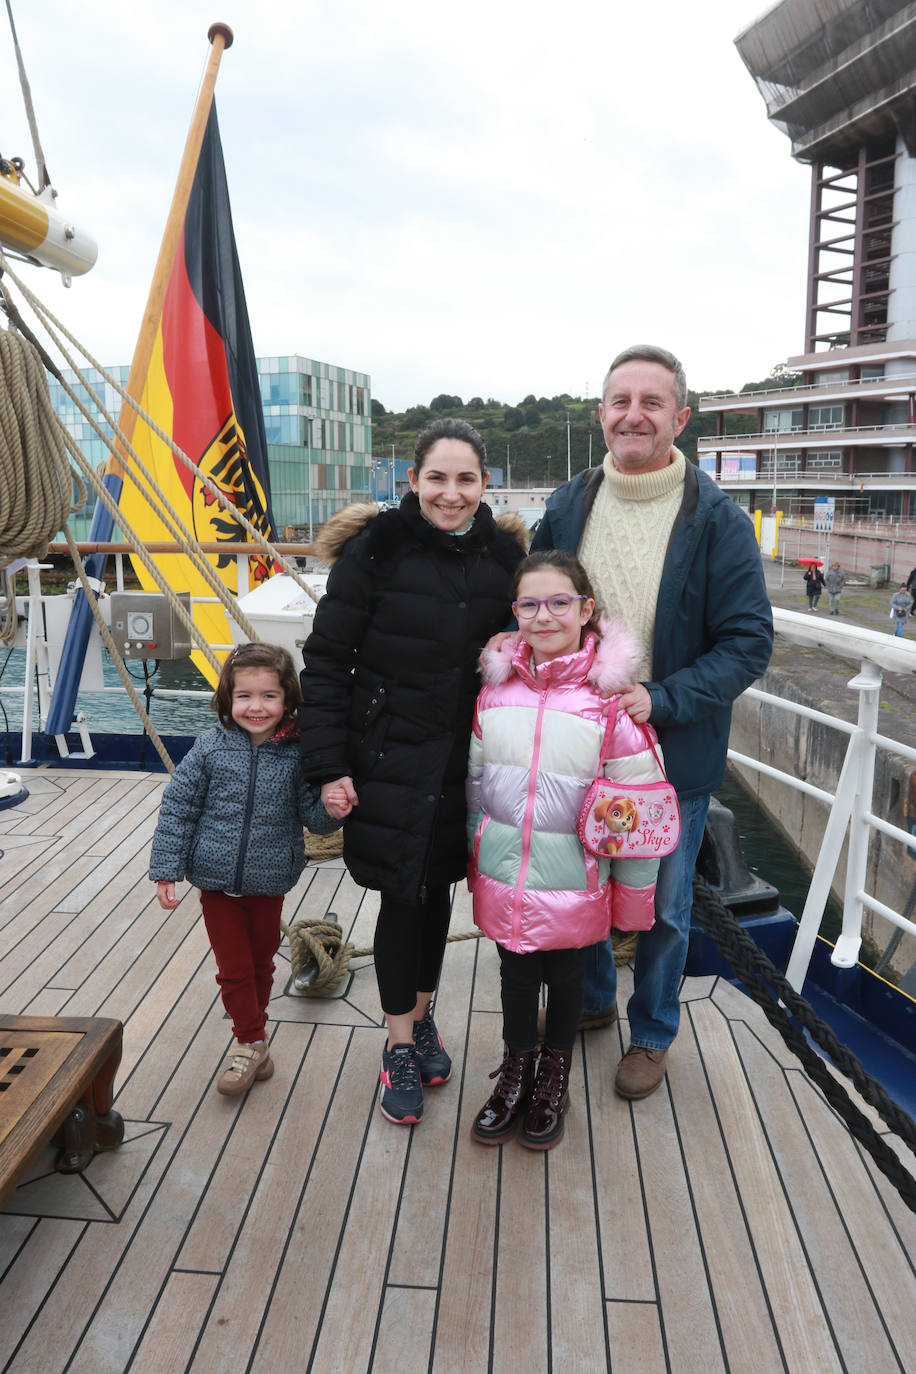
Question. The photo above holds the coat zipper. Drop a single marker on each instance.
(246, 823)
(529, 813)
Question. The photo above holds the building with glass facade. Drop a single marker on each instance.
(317, 419)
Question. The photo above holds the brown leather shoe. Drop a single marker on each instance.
(597, 1020)
(544, 1121)
(498, 1117)
(639, 1072)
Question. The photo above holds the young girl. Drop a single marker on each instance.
(536, 747)
(389, 685)
(231, 823)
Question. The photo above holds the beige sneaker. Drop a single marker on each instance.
(248, 1062)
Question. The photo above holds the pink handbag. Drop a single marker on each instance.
(630, 820)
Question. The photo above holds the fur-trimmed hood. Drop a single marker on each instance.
(387, 526)
(610, 658)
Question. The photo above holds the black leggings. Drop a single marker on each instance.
(408, 947)
(563, 970)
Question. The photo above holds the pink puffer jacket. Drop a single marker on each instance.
(535, 750)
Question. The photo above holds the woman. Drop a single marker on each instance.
(814, 585)
(389, 686)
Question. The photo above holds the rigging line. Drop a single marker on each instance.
(112, 648)
(155, 499)
(43, 177)
(48, 318)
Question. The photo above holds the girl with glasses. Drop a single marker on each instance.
(540, 729)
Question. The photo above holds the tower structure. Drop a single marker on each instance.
(839, 79)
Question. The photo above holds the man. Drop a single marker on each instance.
(836, 581)
(674, 558)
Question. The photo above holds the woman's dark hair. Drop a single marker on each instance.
(564, 562)
(447, 428)
(269, 656)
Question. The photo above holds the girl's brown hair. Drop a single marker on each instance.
(269, 656)
(567, 563)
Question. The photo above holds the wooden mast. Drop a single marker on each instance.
(220, 36)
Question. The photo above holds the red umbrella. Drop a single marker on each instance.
(806, 562)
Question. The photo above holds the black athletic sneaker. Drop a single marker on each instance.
(400, 1098)
(435, 1064)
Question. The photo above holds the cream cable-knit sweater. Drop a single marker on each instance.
(624, 542)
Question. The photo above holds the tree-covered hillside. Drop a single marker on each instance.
(534, 431)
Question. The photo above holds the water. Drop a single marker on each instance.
(771, 856)
(113, 713)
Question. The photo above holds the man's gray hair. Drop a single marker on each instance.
(649, 353)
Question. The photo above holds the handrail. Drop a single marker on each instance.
(850, 820)
(776, 438)
(890, 381)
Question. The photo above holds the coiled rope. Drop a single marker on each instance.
(36, 480)
(320, 957)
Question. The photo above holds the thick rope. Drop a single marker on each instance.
(318, 950)
(36, 480)
(767, 987)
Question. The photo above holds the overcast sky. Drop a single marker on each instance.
(483, 199)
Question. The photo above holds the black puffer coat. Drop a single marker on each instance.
(390, 682)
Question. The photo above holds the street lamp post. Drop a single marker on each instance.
(568, 457)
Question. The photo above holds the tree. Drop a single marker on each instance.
(378, 410)
(476, 403)
(513, 419)
(418, 417)
(445, 402)
(532, 415)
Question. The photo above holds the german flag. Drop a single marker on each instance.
(202, 389)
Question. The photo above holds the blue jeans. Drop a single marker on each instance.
(898, 626)
(654, 1009)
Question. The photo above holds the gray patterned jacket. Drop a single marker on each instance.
(232, 815)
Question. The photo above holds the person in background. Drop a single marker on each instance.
(901, 605)
(231, 823)
(666, 551)
(814, 585)
(389, 686)
(911, 588)
(835, 581)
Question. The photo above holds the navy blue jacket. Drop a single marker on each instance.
(713, 624)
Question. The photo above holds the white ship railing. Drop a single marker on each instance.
(850, 806)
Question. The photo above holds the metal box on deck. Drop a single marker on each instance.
(145, 625)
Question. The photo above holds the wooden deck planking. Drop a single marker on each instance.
(792, 1290)
(297, 1229)
(626, 1259)
(424, 1200)
(322, 1278)
(741, 1304)
(689, 1322)
(888, 1268)
(577, 1309)
(466, 1290)
(30, 1271)
(170, 1338)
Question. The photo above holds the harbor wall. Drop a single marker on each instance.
(815, 752)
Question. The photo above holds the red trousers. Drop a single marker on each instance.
(244, 935)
